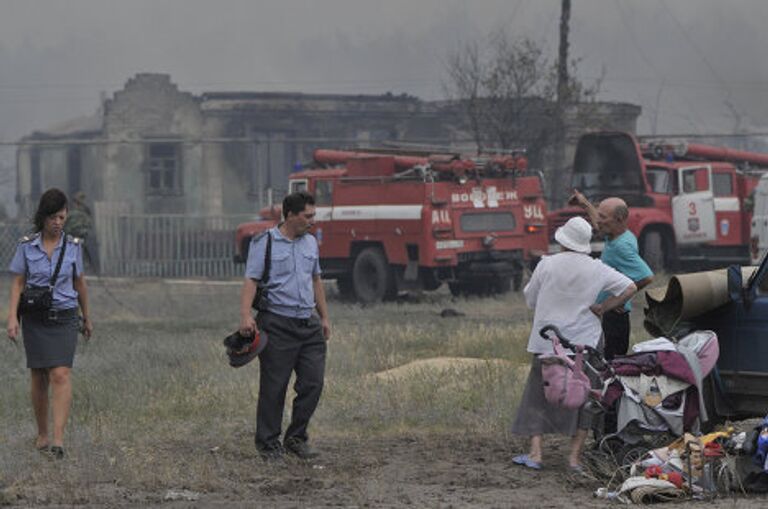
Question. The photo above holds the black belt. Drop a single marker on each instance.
(52, 315)
(301, 322)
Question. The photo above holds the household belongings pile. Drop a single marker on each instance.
(698, 467)
(659, 387)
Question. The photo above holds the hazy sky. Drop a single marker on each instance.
(691, 57)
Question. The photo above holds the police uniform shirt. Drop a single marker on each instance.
(293, 266)
(31, 261)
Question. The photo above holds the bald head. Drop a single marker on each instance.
(612, 215)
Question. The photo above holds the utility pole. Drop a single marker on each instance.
(562, 57)
(563, 97)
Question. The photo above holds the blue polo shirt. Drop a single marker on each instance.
(32, 261)
(290, 289)
(623, 255)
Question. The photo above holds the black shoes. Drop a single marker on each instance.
(301, 449)
(295, 446)
(57, 452)
(271, 453)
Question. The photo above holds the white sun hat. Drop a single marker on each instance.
(575, 235)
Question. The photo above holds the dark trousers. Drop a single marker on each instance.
(293, 344)
(616, 333)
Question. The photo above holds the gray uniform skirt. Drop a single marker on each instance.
(50, 343)
(537, 417)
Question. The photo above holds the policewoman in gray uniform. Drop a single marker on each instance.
(50, 336)
(296, 336)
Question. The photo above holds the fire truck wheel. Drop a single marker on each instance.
(457, 289)
(480, 287)
(653, 250)
(372, 278)
(345, 287)
(517, 281)
(502, 285)
(428, 280)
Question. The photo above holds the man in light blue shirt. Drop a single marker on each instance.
(296, 337)
(620, 252)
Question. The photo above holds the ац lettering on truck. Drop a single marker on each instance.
(388, 222)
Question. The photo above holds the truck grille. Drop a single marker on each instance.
(490, 256)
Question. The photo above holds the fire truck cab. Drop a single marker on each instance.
(759, 240)
(686, 201)
(387, 222)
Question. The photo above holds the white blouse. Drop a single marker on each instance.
(561, 290)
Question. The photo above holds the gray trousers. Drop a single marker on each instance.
(293, 344)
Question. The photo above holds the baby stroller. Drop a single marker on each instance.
(648, 398)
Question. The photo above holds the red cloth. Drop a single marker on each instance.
(672, 364)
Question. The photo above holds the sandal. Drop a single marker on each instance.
(578, 471)
(57, 452)
(527, 462)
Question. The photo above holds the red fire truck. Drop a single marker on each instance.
(396, 221)
(686, 201)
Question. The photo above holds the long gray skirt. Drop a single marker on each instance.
(537, 417)
(49, 344)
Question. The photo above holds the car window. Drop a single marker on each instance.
(323, 192)
(723, 184)
(695, 179)
(658, 180)
(762, 286)
(297, 185)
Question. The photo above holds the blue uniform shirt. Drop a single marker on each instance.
(290, 290)
(32, 261)
(623, 255)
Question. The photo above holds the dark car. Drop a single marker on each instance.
(738, 386)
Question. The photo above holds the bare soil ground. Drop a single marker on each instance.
(415, 471)
(159, 419)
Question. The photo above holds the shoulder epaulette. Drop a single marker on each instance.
(74, 240)
(29, 238)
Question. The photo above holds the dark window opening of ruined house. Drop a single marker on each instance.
(271, 158)
(164, 169)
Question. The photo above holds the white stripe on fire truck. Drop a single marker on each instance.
(729, 204)
(368, 212)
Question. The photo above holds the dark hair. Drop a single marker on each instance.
(52, 201)
(297, 202)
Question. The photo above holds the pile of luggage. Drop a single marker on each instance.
(699, 467)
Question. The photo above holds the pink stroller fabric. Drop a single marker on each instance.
(565, 383)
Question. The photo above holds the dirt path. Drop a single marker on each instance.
(388, 472)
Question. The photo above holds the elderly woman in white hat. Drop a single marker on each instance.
(562, 291)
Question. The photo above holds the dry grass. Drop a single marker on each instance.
(156, 406)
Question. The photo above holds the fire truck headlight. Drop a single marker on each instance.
(534, 228)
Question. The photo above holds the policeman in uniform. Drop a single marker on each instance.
(297, 337)
(50, 334)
